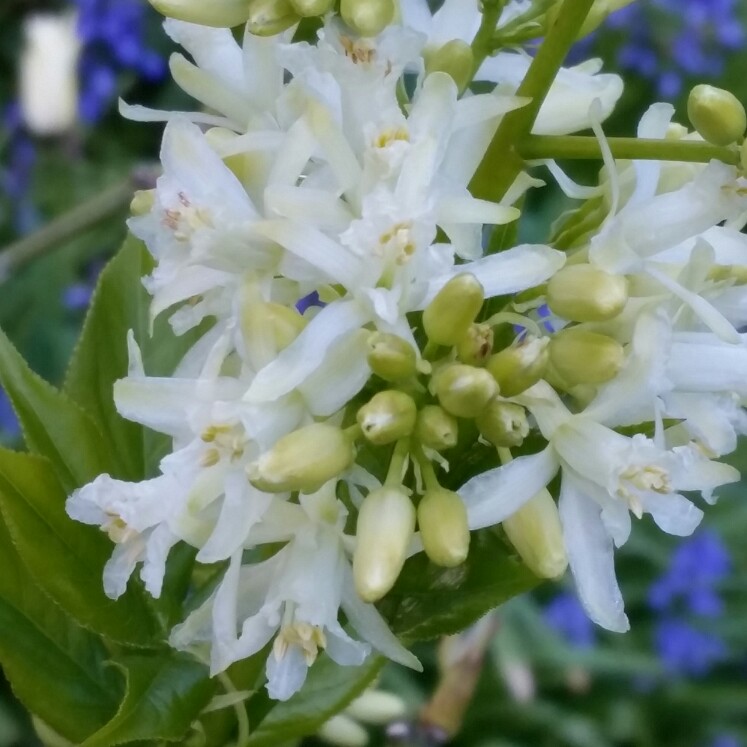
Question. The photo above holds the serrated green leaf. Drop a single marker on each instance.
(53, 425)
(328, 689)
(120, 303)
(56, 668)
(66, 558)
(429, 601)
(165, 694)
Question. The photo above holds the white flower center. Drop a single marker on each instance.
(398, 244)
(309, 638)
(358, 50)
(225, 440)
(187, 219)
(648, 478)
(117, 529)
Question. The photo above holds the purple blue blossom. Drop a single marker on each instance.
(9, 427)
(686, 650)
(113, 36)
(671, 41)
(565, 615)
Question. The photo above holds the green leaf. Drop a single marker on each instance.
(429, 601)
(66, 558)
(120, 303)
(53, 425)
(57, 669)
(165, 694)
(328, 689)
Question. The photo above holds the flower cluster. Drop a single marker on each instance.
(315, 223)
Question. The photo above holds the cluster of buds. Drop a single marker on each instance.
(323, 222)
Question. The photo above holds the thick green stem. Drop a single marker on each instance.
(397, 464)
(502, 162)
(105, 205)
(576, 146)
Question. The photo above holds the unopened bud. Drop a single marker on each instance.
(503, 424)
(442, 519)
(377, 708)
(520, 366)
(464, 391)
(343, 731)
(218, 13)
(583, 293)
(270, 325)
(455, 58)
(582, 357)
(303, 460)
(476, 345)
(387, 417)
(367, 17)
(312, 8)
(270, 17)
(535, 532)
(436, 429)
(142, 201)
(390, 356)
(743, 156)
(716, 114)
(453, 309)
(386, 523)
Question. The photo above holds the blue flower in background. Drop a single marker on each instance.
(668, 41)
(697, 566)
(688, 591)
(9, 428)
(15, 177)
(113, 36)
(685, 650)
(564, 614)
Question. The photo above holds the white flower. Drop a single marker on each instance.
(605, 475)
(295, 598)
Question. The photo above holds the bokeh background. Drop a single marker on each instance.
(544, 676)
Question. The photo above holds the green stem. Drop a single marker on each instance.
(502, 162)
(576, 146)
(113, 200)
(483, 43)
(242, 719)
(397, 463)
(426, 469)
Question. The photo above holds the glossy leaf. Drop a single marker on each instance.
(328, 689)
(165, 694)
(53, 425)
(56, 668)
(429, 601)
(64, 557)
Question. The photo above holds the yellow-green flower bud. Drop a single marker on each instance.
(535, 532)
(367, 17)
(142, 201)
(377, 707)
(270, 17)
(387, 417)
(454, 308)
(442, 519)
(583, 293)
(312, 8)
(343, 731)
(386, 523)
(391, 357)
(743, 156)
(455, 58)
(582, 357)
(503, 424)
(270, 324)
(436, 429)
(716, 114)
(464, 391)
(219, 13)
(476, 345)
(520, 366)
(303, 460)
